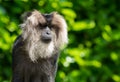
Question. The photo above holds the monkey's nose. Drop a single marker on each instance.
(48, 33)
(46, 37)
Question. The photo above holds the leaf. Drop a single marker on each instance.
(82, 25)
(69, 13)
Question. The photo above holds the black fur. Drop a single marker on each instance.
(48, 17)
(24, 70)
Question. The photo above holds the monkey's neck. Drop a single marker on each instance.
(40, 50)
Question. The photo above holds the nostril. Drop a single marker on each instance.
(48, 33)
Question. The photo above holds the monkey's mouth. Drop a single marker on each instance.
(46, 39)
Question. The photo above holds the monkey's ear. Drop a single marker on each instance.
(25, 16)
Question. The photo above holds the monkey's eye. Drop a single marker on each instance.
(42, 26)
(51, 26)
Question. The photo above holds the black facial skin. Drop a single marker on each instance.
(46, 35)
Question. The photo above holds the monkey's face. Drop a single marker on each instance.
(46, 35)
(47, 29)
(44, 32)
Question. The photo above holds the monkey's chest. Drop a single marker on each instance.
(42, 70)
(41, 66)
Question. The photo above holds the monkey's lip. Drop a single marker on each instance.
(46, 40)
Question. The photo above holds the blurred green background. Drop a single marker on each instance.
(93, 52)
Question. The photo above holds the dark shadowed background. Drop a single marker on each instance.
(93, 52)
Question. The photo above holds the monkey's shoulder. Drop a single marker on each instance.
(18, 42)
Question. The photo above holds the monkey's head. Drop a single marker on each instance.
(44, 34)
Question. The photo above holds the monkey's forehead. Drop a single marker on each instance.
(35, 18)
(48, 17)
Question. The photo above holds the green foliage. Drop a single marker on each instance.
(93, 52)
